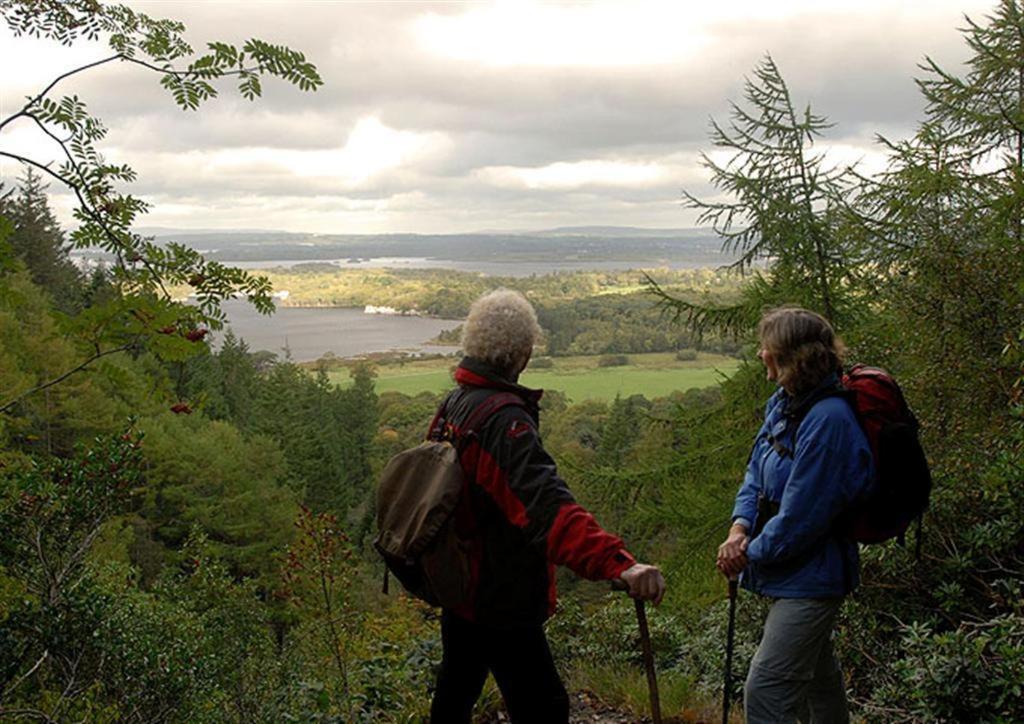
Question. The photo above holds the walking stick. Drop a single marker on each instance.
(645, 645)
(730, 637)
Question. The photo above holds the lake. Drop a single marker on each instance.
(309, 333)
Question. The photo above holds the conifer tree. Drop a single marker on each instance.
(783, 208)
(39, 242)
(944, 223)
(982, 111)
(619, 434)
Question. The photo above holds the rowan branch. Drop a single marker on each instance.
(194, 73)
(55, 81)
(125, 59)
(119, 242)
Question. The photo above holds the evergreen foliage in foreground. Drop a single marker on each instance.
(167, 571)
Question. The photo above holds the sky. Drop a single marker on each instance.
(461, 117)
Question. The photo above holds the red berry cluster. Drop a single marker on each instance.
(196, 334)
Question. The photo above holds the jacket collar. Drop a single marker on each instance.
(798, 406)
(473, 372)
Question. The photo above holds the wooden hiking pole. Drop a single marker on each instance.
(730, 638)
(645, 645)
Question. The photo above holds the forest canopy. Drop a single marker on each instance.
(186, 530)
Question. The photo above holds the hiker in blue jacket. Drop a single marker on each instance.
(810, 461)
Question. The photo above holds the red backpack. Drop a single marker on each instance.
(903, 482)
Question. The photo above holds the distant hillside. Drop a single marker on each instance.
(619, 232)
(583, 244)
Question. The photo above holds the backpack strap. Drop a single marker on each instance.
(436, 429)
(485, 409)
(440, 430)
(799, 411)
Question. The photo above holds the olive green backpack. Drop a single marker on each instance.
(416, 499)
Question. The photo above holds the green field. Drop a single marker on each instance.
(580, 378)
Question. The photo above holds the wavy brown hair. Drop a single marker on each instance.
(804, 345)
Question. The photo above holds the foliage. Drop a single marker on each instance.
(37, 240)
(52, 514)
(318, 571)
(143, 311)
(784, 204)
(945, 226)
(973, 673)
(205, 475)
(703, 648)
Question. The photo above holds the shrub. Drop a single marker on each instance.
(971, 674)
(542, 363)
(612, 360)
(686, 355)
(702, 651)
(609, 634)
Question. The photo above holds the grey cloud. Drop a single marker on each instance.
(859, 73)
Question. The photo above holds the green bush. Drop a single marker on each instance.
(612, 360)
(702, 652)
(975, 673)
(541, 363)
(686, 355)
(609, 633)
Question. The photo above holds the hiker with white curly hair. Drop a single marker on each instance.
(519, 520)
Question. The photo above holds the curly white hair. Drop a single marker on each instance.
(501, 329)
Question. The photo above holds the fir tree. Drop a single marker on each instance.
(39, 242)
(620, 432)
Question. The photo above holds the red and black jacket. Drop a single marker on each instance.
(516, 514)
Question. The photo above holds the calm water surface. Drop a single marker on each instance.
(311, 333)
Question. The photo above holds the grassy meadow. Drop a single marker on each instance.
(580, 378)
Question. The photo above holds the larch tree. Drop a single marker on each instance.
(780, 209)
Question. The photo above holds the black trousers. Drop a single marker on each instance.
(522, 666)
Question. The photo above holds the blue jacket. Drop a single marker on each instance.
(799, 553)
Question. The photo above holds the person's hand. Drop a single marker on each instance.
(645, 582)
(732, 554)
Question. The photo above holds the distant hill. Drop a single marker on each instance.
(168, 230)
(618, 232)
(575, 244)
